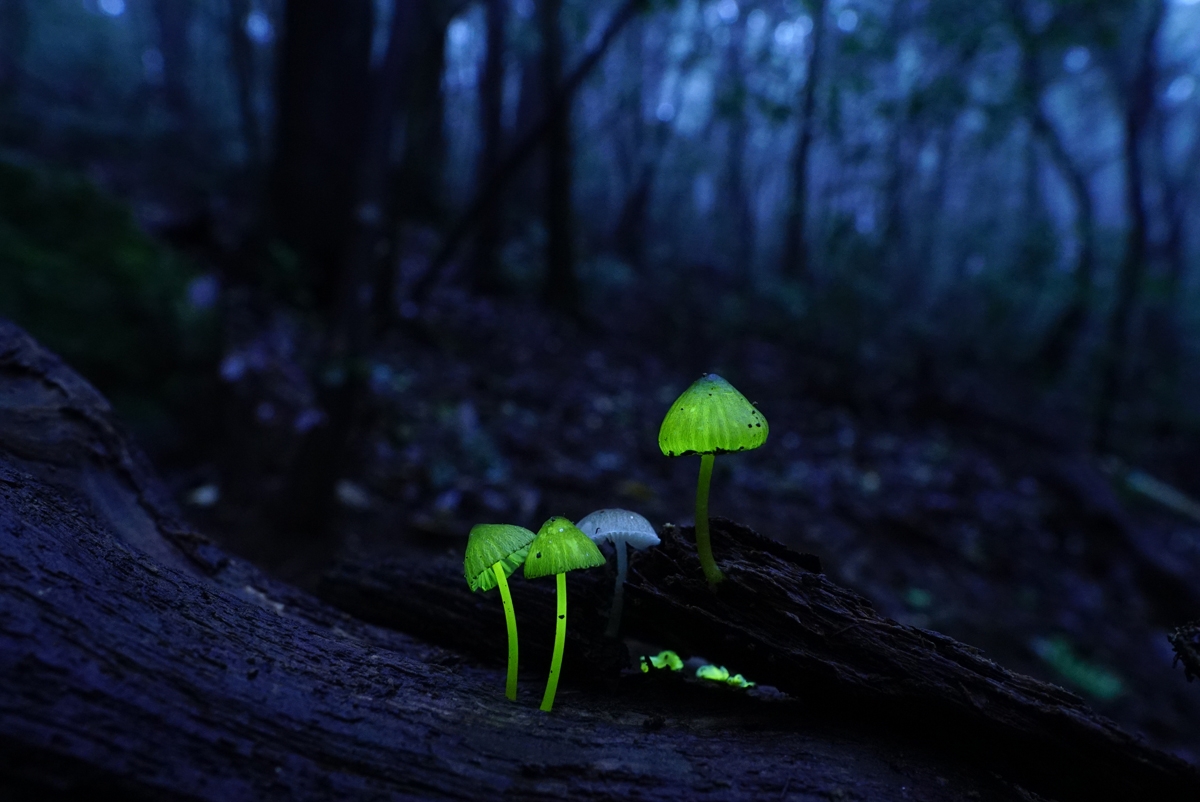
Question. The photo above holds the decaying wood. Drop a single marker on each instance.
(137, 661)
(779, 622)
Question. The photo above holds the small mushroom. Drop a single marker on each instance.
(558, 548)
(621, 527)
(494, 551)
(710, 418)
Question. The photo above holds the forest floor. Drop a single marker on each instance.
(494, 411)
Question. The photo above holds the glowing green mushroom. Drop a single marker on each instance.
(494, 551)
(558, 548)
(710, 418)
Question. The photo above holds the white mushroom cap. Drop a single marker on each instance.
(619, 526)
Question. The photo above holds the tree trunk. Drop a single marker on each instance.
(1139, 103)
(796, 252)
(524, 149)
(323, 75)
(241, 66)
(1063, 334)
(173, 18)
(560, 286)
(418, 182)
(629, 234)
(306, 506)
(14, 39)
(485, 276)
(137, 661)
(737, 196)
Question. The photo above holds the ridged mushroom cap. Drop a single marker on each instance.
(489, 544)
(560, 547)
(619, 526)
(711, 417)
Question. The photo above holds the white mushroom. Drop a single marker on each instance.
(620, 527)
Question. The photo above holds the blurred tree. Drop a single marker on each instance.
(485, 276)
(418, 181)
(173, 19)
(242, 66)
(640, 148)
(731, 107)
(526, 146)
(1063, 333)
(14, 39)
(796, 253)
(352, 248)
(1138, 104)
(322, 76)
(1175, 178)
(560, 287)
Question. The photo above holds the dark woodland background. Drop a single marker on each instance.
(360, 274)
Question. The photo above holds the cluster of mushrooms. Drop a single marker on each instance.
(710, 418)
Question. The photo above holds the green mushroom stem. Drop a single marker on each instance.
(510, 618)
(703, 545)
(560, 639)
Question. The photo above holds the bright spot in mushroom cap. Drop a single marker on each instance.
(619, 525)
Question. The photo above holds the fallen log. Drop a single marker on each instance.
(138, 661)
(780, 622)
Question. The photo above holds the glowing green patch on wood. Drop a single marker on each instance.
(721, 674)
(560, 547)
(489, 544)
(711, 417)
(666, 659)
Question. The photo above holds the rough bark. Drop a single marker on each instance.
(139, 662)
(779, 622)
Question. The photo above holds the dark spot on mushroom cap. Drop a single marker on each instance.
(749, 425)
(759, 425)
(539, 555)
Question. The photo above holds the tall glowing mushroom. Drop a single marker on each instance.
(558, 548)
(494, 551)
(623, 528)
(710, 418)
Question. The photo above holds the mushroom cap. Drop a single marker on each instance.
(619, 526)
(560, 547)
(711, 417)
(489, 544)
